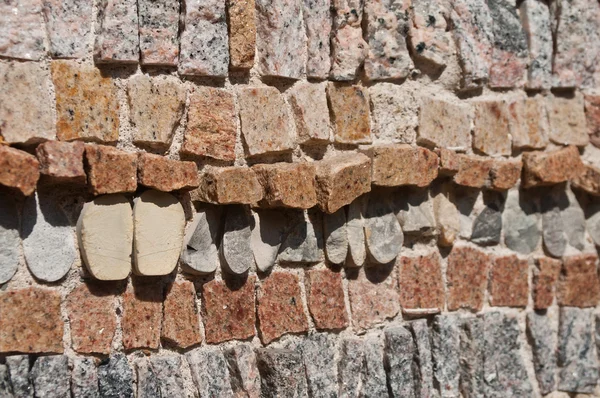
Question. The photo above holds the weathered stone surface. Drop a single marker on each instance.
(465, 200)
(84, 378)
(592, 222)
(429, 40)
(471, 357)
(491, 134)
(398, 360)
(545, 276)
(386, 30)
(467, 276)
(574, 222)
(528, 119)
(349, 107)
(115, 377)
(5, 386)
(235, 245)
(228, 310)
(374, 377)
(117, 36)
(509, 51)
(280, 307)
(318, 354)
(578, 285)
(543, 348)
(447, 218)
(204, 48)
(444, 124)
(209, 371)
(383, 234)
(340, 179)
(159, 223)
(567, 120)
(325, 299)
(394, 112)
(18, 170)
(106, 222)
(588, 181)
(373, 295)
(536, 23)
(357, 248)
(287, 184)
(10, 240)
(487, 226)
(424, 367)
(62, 162)
(282, 373)
(473, 33)
(242, 33)
(48, 241)
(200, 254)
(415, 211)
(211, 124)
(576, 356)
(553, 228)
(158, 31)
(181, 327)
(520, 220)
(467, 170)
(228, 185)
(23, 30)
(87, 106)
(50, 376)
(317, 20)
(69, 26)
(508, 282)
(18, 368)
(504, 174)
(155, 108)
(335, 234)
(445, 350)
(267, 235)
(163, 174)
(110, 170)
(303, 240)
(265, 118)
(350, 364)
(25, 105)
(396, 165)
(504, 370)
(421, 285)
(592, 116)
(348, 49)
(243, 370)
(147, 378)
(92, 319)
(309, 107)
(170, 379)
(142, 316)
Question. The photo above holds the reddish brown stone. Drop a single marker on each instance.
(589, 180)
(18, 170)
(228, 310)
(158, 172)
(373, 294)
(30, 321)
(473, 171)
(508, 282)
(505, 173)
(287, 184)
(396, 165)
(326, 299)
(349, 107)
(528, 123)
(280, 307)
(62, 161)
(592, 116)
(491, 127)
(228, 185)
(421, 285)
(548, 168)
(449, 161)
(566, 117)
(578, 285)
(180, 326)
(545, 276)
(342, 178)
(110, 170)
(92, 318)
(467, 277)
(142, 316)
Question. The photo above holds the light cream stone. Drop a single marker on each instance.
(159, 227)
(309, 107)
(22, 29)
(105, 234)
(447, 219)
(444, 124)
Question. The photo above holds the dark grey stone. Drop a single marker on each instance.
(504, 369)
(471, 358)
(303, 242)
(374, 378)
(507, 30)
(269, 227)
(580, 371)
(318, 352)
(50, 377)
(18, 367)
(487, 226)
(84, 378)
(5, 387)
(399, 361)
(382, 230)
(9, 238)
(336, 236)
(235, 247)
(168, 371)
(209, 371)
(281, 372)
(446, 348)
(350, 366)
(243, 370)
(200, 253)
(553, 232)
(520, 220)
(147, 379)
(574, 222)
(424, 382)
(543, 347)
(115, 378)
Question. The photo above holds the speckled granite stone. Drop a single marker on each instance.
(69, 25)
(242, 33)
(467, 276)
(424, 367)
(18, 369)
(287, 184)
(491, 134)
(398, 359)
(117, 36)
(159, 28)
(170, 380)
(318, 353)
(350, 366)
(396, 165)
(84, 378)
(471, 357)
(528, 122)
(310, 111)
(110, 170)
(348, 48)
(543, 348)
(567, 120)
(50, 376)
(589, 181)
(373, 377)
(446, 350)
(228, 185)
(536, 23)
(545, 276)
(23, 29)
(420, 282)
(147, 378)
(180, 327)
(444, 124)
(115, 377)
(6, 390)
(578, 284)
(209, 372)
(548, 168)
(509, 286)
(428, 37)
(62, 162)
(317, 20)
(282, 373)
(164, 174)
(243, 370)
(349, 107)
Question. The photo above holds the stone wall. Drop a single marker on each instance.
(289, 198)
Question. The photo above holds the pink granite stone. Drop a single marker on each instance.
(317, 19)
(528, 121)
(117, 39)
(536, 22)
(428, 37)
(309, 107)
(159, 27)
(348, 49)
(491, 127)
(23, 30)
(69, 25)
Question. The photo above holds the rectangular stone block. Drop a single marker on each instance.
(592, 116)
(420, 283)
(351, 364)
(430, 42)
(535, 16)
(69, 25)
(349, 106)
(317, 21)
(110, 170)
(504, 174)
(84, 378)
(528, 122)
(325, 299)
(445, 339)
(282, 373)
(394, 112)
(423, 361)
(589, 180)
(545, 277)
(163, 174)
(243, 370)
(115, 377)
(578, 285)
(280, 39)
(318, 354)
(467, 277)
(87, 106)
(348, 48)
(444, 124)
(18, 170)
(374, 377)
(302, 241)
(491, 134)
(287, 184)
(20, 380)
(117, 35)
(567, 120)
(25, 103)
(209, 371)
(158, 30)
(397, 165)
(62, 161)
(467, 170)
(228, 185)
(142, 316)
(508, 282)
(50, 376)
(399, 358)
(204, 48)
(23, 29)
(543, 345)
(472, 382)
(180, 325)
(549, 168)
(310, 111)
(242, 33)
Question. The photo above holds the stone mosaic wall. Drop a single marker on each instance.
(290, 198)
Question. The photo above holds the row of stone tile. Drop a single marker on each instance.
(472, 356)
